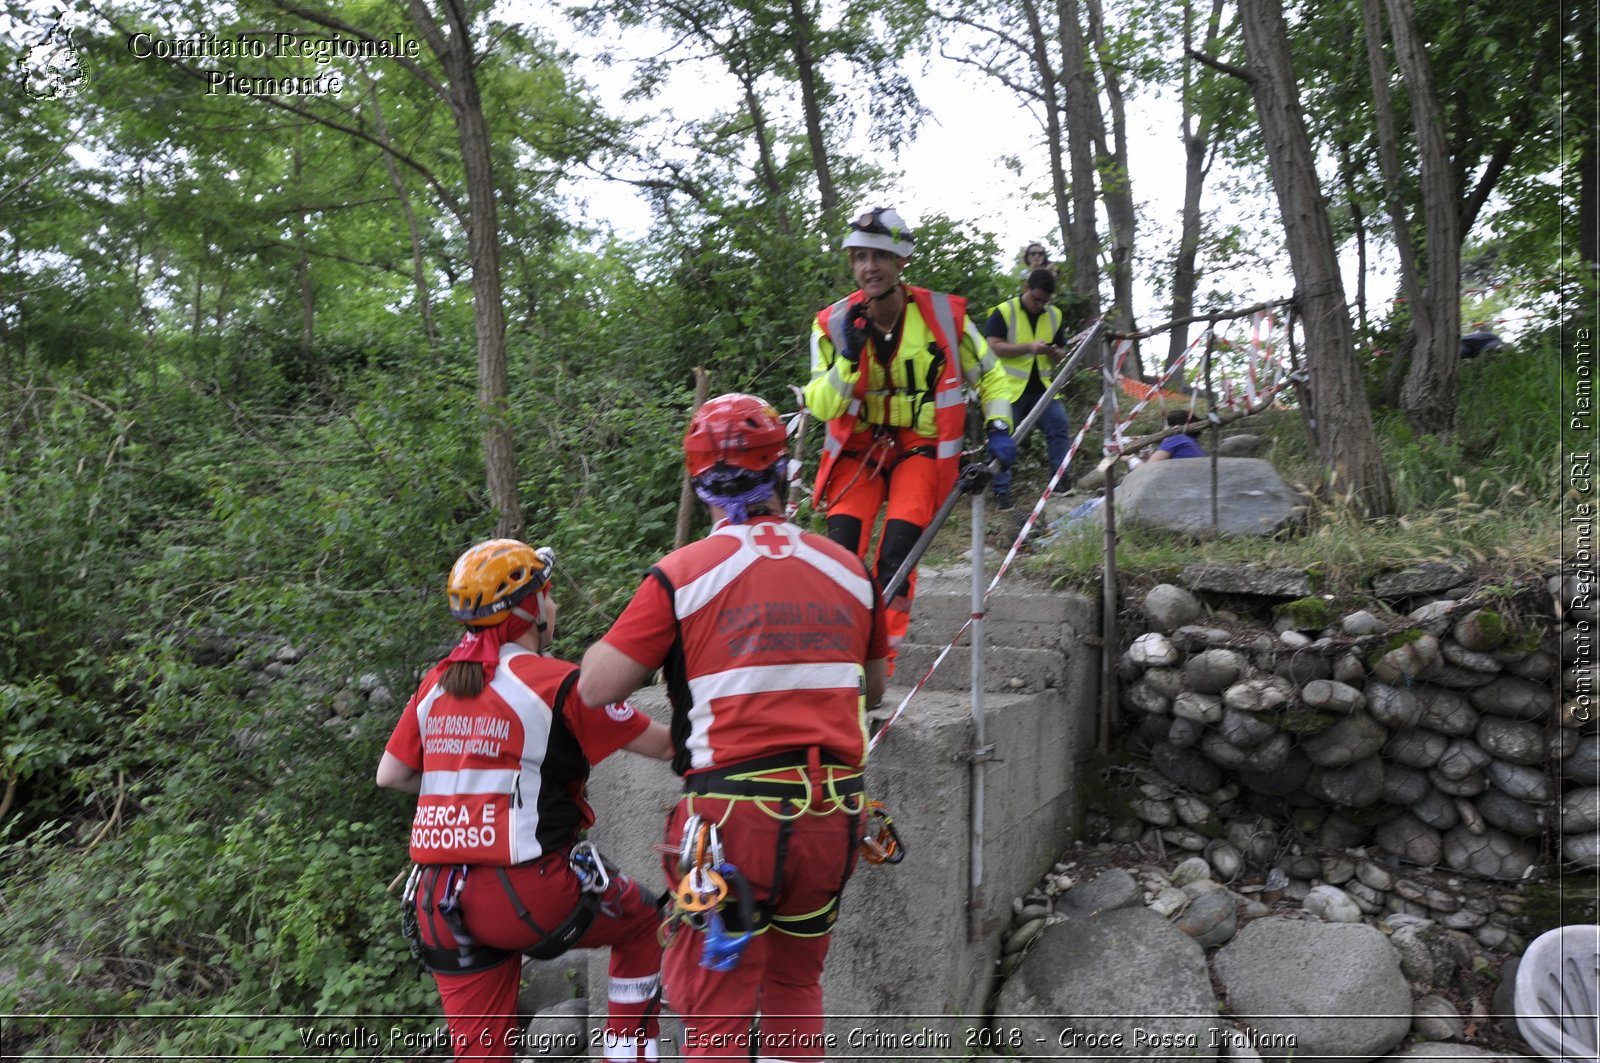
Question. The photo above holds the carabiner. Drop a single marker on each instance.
(884, 846)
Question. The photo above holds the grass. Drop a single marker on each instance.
(1490, 496)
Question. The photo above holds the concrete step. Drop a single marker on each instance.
(1018, 669)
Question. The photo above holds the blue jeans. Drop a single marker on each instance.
(1057, 429)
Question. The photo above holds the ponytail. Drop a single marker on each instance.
(463, 679)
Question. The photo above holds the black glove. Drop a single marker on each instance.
(855, 337)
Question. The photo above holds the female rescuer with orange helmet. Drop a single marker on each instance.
(773, 641)
(497, 746)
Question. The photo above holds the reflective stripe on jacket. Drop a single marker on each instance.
(900, 394)
(1019, 329)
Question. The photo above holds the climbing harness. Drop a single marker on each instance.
(597, 895)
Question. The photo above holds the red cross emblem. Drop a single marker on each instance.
(773, 541)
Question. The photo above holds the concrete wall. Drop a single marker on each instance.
(902, 957)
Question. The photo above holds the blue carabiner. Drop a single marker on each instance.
(719, 950)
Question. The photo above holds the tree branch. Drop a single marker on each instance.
(330, 22)
(1217, 64)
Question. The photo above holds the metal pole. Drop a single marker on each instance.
(980, 746)
(1210, 398)
(1108, 573)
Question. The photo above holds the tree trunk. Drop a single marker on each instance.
(308, 297)
(800, 27)
(1039, 49)
(1429, 395)
(1083, 117)
(1197, 155)
(1116, 188)
(419, 276)
(454, 51)
(1343, 418)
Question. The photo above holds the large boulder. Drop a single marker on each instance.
(1252, 498)
(1314, 991)
(1121, 983)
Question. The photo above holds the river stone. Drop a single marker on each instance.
(1434, 617)
(1409, 838)
(1335, 987)
(1243, 729)
(1409, 662)
(1392, 706)
(1153, 728)
(1469, 785)
(1169, 606)
(1362, 622)
(1201, 708)
(1287, 777)
(1243, 445)
(1517, 741)
(1328, 695)
(1259, 693)
(1339, 831)
(1512, 695)
(1475, 631)
(1175, 496)
(1194, 812)
(1582, 851)
(1579, 810)
(1168, 682)
(1111, 889)
(1185, 733)
(1220, 751)
(1493, 855)
(1337, 869)
(1156, 813)
(1143, 697)
(1269, 755)
(1562, 743)
(1436, 1019)
(1456, 678)
(1194, 637)
(1332, 904)
(1522, 781)
(1351, 739)
(1105, 975)
(1210, 919)
(1426, 577)
(1374, 876)
(1502, 810)
(1470, 817)
(1153, 650)
(1417, 748)
(1584, 761)
(1355, 786)
(1301, 666)
(1461, 758)
(1437, 810)
(1225, 859)
(1292, 639)
(1213, 671)
(1446, 711)
(1402, 785)
(1537, 667)
(1185, 767)
(1471, 660)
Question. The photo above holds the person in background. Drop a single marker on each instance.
(887, 366)
(1481, 340)
(1035, 257)
(773, 643)
(1182, 443)
(497, 746)
(1028, 333)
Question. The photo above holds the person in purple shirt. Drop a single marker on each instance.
(1180, 444)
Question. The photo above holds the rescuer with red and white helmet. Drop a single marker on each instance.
(497, 745)
(887, 365)
(773, 643)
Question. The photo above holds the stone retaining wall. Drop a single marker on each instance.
(1426, 729)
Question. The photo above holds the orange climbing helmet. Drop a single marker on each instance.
(492, 577)
(736, 431)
